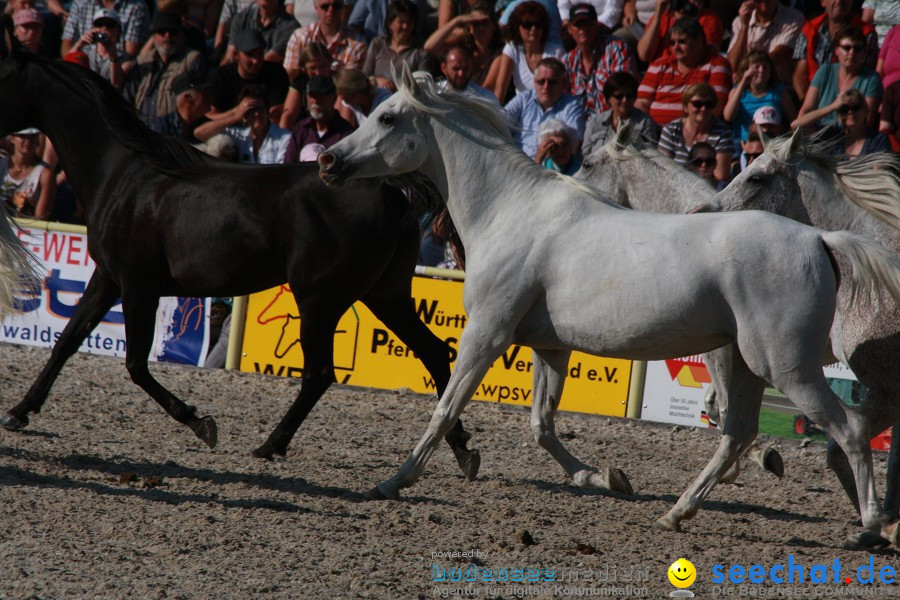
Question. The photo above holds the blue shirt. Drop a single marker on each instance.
(525, 111)
(368, 16)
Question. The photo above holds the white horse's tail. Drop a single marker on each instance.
(18, 266)
(872, 266)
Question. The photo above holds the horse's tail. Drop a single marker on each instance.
(872, 266)
(18, 266)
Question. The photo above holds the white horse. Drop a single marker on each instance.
(861, 195)
(553, 267)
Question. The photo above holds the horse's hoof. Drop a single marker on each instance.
(732, 474)
(891, 533)
(667, 523)
(11, 423)
(376, 493)
(869, 539)
(618, 482)
(470, 463)
(772, 462)
(208, 431)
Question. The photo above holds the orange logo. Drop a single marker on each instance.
(688, 372)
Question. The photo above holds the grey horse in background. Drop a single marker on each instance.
(860, 195)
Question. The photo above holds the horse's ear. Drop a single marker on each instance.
(795, 142)
(9, 44)
(763, 138)
(409, 82)
(623, 135)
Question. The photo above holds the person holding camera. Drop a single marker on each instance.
(101, 44)
(652, 44)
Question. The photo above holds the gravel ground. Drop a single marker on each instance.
(104, 496)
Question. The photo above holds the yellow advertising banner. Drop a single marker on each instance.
(366, 353)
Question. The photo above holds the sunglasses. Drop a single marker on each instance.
(543, 82)
(329, 6)
(751, 156)
(620, 97)
(699, 104)
(704, 162)
(846, 109)
(849, 47)
(531, 25)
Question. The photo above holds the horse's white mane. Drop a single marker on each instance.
(871, 182)
(439, 103)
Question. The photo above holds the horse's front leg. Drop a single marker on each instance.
(479, 346)
(99, 296)
(549, 379)
(140, 319)
(743, 391)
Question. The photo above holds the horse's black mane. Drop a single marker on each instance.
(164, 153)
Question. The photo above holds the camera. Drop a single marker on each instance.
(101, 38)
(685, 7)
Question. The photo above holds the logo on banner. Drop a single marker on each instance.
(688, 372)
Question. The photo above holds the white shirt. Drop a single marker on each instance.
(522, 75)
(271, 151)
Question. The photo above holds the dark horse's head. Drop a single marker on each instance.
(19, 111)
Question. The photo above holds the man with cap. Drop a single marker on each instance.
(249, 68)
(192, 101)
(323, 125)
(150, 83)
(29, 29)
(268, 18)
(100, 44)
(596, 56)
(133, 16)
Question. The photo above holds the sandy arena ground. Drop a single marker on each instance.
(104, 496)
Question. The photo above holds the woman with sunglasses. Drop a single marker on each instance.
(479, 31)
(699, 124)
(27, 184)
(527, 43)
(824, 96)
(620, 91)
(852, 136)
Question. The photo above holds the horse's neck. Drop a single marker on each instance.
(828, 209)
(479, 181)
(663, 186)
(79, 136)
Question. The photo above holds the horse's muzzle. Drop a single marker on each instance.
(330, 167)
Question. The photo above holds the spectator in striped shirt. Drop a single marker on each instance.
(347, 50)
(691, 61)
(699, 124)
(597, 55)
(133, 14)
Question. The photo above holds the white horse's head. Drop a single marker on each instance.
(393, 140)
(601, 170)
(770, 183)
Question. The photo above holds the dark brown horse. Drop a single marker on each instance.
(165, 220)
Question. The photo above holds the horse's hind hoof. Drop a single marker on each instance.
(208, 431)
(618, 481)
(11, 423)
(773, 463)
(891, 533)
(268, 451)
(470, 464)
(667, 523)
(376, 493)
(870, 539)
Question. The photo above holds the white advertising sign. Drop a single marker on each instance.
(182, 327)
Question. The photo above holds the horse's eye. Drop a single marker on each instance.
(587, 166)
(754, 179)
(386, 119)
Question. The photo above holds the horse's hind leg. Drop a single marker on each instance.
(317, 340)
(99, 296)
(743, 392)
(549, 379)
(140, 320)
(400, 317)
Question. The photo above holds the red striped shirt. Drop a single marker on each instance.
(663, 85)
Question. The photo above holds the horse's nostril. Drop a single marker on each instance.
(326, 160)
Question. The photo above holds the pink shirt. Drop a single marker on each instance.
(890, 54)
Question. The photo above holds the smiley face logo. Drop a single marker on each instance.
(682, 573)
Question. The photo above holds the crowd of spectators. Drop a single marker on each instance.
(705, 81)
